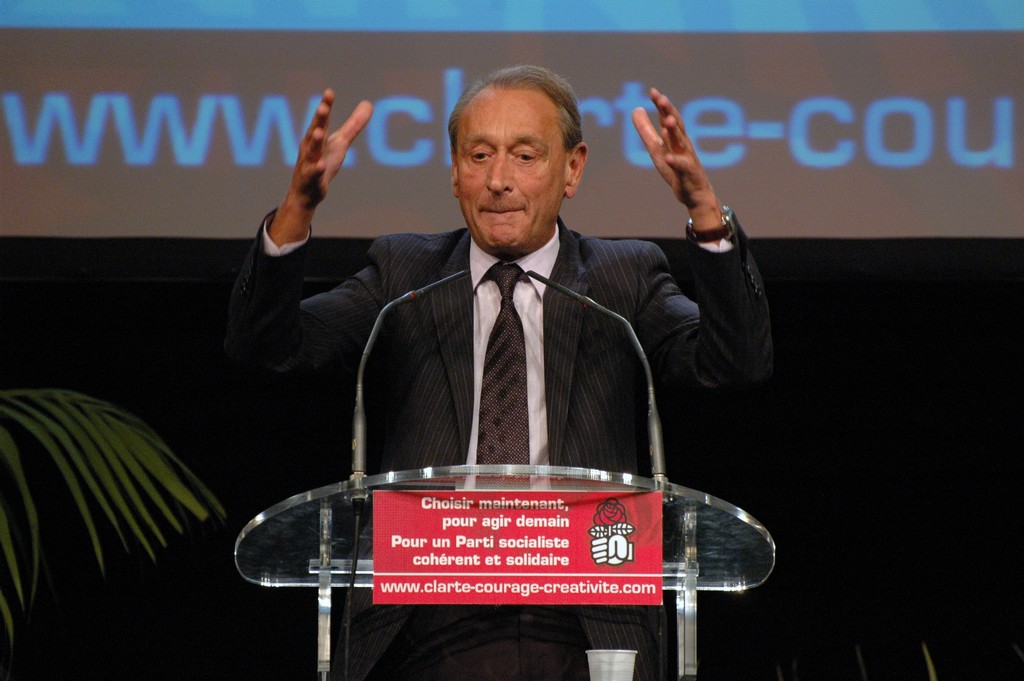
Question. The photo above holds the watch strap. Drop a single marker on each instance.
(726, 230)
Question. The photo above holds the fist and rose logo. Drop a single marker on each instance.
(609, 544)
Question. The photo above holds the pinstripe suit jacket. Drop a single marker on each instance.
(590, 377)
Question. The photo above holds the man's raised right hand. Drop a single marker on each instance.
(320, 159)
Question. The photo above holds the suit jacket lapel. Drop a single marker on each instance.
(563, 320)
(453, 318)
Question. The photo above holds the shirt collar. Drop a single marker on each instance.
(541, 261)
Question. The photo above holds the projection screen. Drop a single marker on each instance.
(848, 119)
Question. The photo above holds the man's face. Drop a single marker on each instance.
(510, 170)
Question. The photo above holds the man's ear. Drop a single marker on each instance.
(455, 177)
(574, 169)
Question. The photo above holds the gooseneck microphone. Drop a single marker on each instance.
(654, 436)
(359, 416)
(359, 494)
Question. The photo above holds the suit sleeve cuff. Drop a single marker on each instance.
(720, 246)
(272, 249)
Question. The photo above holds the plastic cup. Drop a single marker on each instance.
(611, 665)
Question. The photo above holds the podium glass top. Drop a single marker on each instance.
(285, 545)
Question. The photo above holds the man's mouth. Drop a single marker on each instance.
(501, 209)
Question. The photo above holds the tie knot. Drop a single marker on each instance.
(505, 275)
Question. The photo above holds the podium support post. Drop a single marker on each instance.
(686, 598)
(323, 634)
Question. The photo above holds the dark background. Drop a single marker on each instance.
(884, 458)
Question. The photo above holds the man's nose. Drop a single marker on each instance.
(499, 177)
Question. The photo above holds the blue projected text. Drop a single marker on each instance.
(817, 132)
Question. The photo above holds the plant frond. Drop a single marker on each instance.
(83, 452)
(932, 675)
(121, 488)
(8, 619)
(48, 433)
(173, 475)
(103, 453)
(860, 663)
(13, 464)
(153, 453)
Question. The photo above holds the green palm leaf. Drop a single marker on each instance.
(110, 460)
(7, 541)
(65, 447)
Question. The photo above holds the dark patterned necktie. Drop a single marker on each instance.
(504, 432)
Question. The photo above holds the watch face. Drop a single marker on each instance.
(729, 221)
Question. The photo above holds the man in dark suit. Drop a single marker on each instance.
(517, 152)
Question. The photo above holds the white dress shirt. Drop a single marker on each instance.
(529, 301)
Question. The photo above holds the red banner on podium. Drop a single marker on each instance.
(504, 547)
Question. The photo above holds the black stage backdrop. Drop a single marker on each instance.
(884, 457)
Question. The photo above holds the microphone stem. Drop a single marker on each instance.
(359, 414)
(654, 434)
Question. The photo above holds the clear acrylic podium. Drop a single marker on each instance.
(308, 540)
